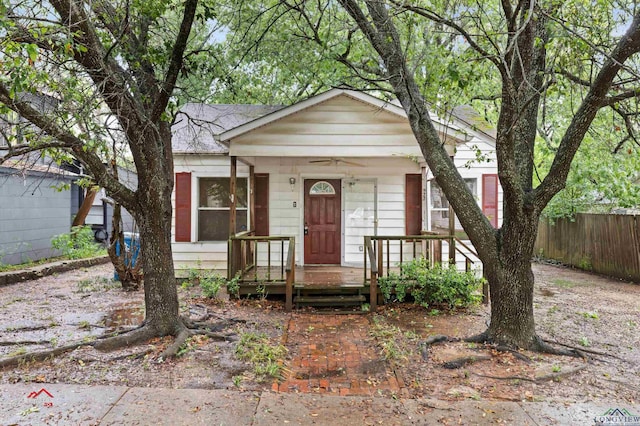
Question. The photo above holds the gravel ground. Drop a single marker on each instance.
(596, 314)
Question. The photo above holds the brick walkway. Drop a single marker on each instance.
(334, 354)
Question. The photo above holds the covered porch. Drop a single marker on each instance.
(328, 285)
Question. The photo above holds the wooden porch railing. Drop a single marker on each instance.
(291, 274)
(245, 250)
(378, 254)
(467, 260)
(240, 253)
(373, 283)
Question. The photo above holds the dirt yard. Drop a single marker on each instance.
(597, 315)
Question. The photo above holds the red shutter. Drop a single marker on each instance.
(183, 207)
(262, 204)
(490, 198)
(413, 204)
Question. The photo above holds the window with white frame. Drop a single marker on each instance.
(214, 201)
(439, 205)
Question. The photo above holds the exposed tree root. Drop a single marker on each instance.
(191, 328)
(559, 374)
(520, 356)
(136, 355)
(439, 338)
(109, 342)
(230, 337)
(25, 342)
(132, 337)
(539, 379)
(27, 328)
(213, 327)
(172, 350)
(431, 340)
(539, 345)
(87, 326)
(478, 338)
(38, 356)
(465, 360)
(584, 350)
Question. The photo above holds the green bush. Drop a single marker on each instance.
(233, 285)
(431, 286)
(210, 283)
(78, 244)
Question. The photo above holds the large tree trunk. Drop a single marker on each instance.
(160, 293)
(511, 284)
(155, 186)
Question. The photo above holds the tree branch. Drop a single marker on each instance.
(432, 16)
(104, 71)
(65, 140)
(176, 60)
(631, 133)
(628, 45)
(383, 36)
(630, 94)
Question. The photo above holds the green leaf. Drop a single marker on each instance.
(32, 51)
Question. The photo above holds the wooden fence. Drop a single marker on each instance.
(606, 244)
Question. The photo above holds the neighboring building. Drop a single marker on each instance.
(33, 210)
(328, 170)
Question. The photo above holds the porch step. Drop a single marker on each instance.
(344, 289)
(353, 300)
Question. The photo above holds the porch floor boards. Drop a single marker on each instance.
(309, 276)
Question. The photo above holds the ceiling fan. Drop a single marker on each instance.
(336, 162)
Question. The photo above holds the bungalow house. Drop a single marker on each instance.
(327, 171)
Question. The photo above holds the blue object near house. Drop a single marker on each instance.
(131, 248)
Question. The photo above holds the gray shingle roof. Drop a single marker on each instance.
(196, 125)
(469, 116)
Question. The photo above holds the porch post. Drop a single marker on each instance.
(232, 196)
(252, 199)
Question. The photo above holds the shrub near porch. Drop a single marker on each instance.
(431, 285)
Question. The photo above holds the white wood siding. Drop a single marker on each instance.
(341, 126)
(285, 219)
(468, 166)
(466, 156)
(196, 254)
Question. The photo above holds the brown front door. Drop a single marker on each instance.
(322, 221)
